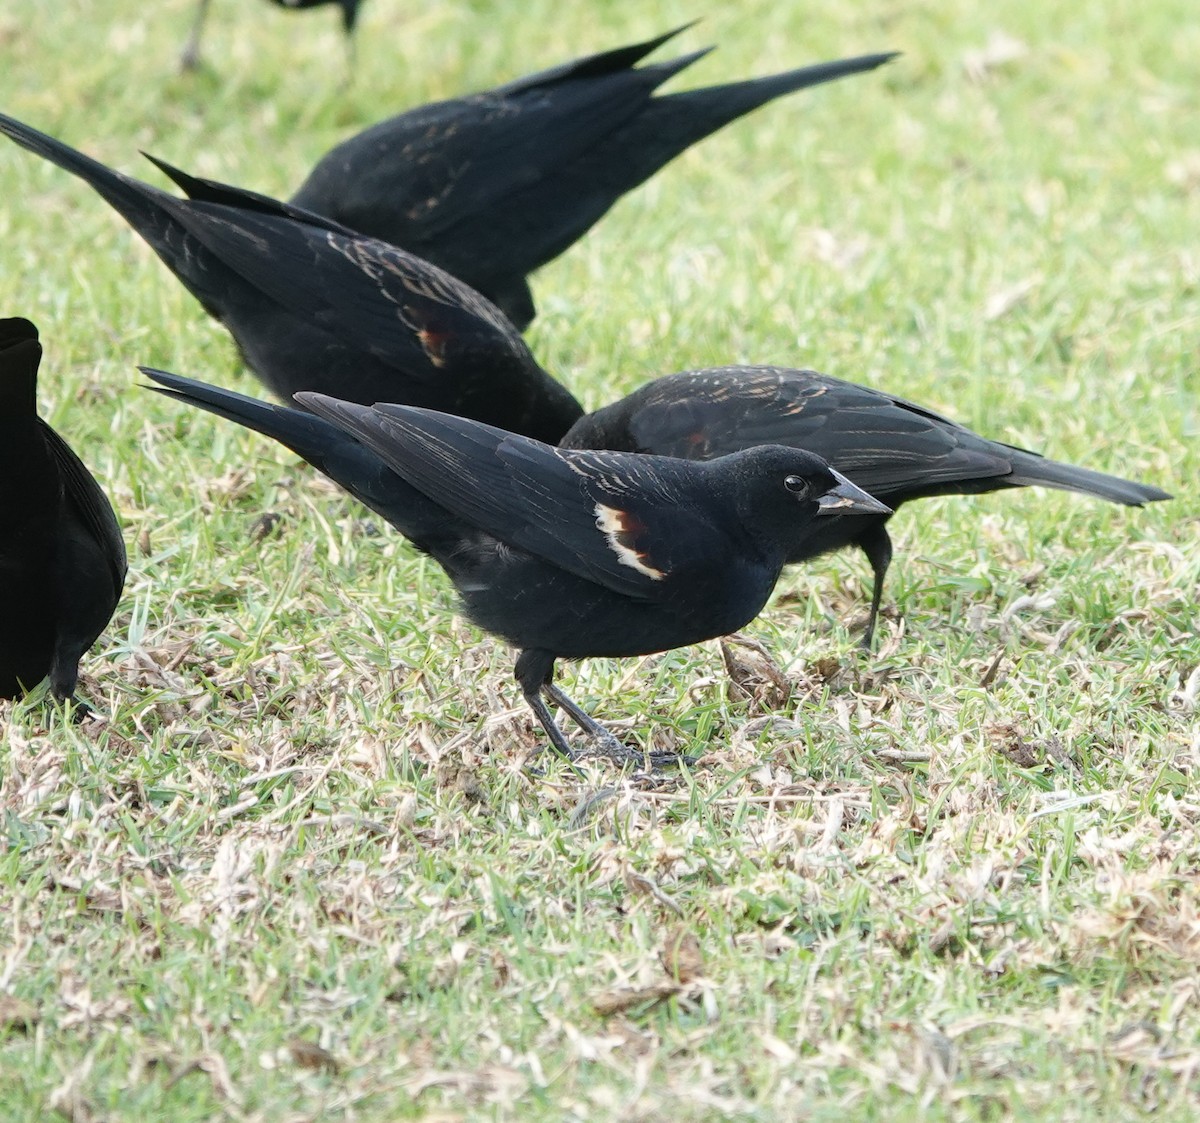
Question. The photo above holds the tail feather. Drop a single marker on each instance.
(594, 66)
(304, 433)
(685, 118)
(202, 190)
(135, 201)
(351, 465)
(1030, 470)
(657, 73)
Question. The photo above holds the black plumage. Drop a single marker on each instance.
(890, 447)
(189, 57)
(567, 554)
(62, 560)
(493, 185)
(313, 306)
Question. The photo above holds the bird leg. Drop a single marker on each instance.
(78, 709)
(189, 58)
(606, 741)
(557, 738)
(62, 690)
(535, 672)
(877, 545)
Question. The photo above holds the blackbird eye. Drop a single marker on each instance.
(797, 485)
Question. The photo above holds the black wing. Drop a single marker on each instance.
(90, 505)
(364, 292)
(454, 159)
(624, 522)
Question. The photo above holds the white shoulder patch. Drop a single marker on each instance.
(613, 524)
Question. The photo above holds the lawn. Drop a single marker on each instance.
(298, 868)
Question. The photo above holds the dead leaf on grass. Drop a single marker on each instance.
(647, 887)
(825, 669)
(1186, 698)
(1001, 49)
(455, 774)
(81, 1009)
(840, 251)
(1001, 301)
(308, 1054)
(214, 1067)
(1183, 171)
(681, 956)
(623, 999)
(95, 896)
(17, 1015)
(265, 525)
(753, 676)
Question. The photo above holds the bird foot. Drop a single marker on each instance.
(607, 745)
(77, 709)
(603, 743)
(650, 766)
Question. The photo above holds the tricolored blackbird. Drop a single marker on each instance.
(314, 306)
(564, 553)
(894, 449)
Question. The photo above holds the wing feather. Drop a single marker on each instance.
(90, 505)
(367, 293)
(883, 443)
(624, 522)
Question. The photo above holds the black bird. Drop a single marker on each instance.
(493, 185)
(189, 59)
(314, 306)
(62, 560)
(567, 554)
(892, 448)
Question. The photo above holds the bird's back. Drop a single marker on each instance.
(893, 449)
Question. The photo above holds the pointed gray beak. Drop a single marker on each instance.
(849, 499)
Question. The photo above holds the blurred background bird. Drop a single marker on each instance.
(189, 57)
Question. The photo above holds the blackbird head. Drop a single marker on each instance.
(15, 330)
(20, 354)
(784, 494)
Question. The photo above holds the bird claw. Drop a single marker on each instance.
(608, 746)
(605, 744)
(77, 710)
(80, 711)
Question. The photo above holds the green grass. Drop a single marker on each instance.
(957, 879)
